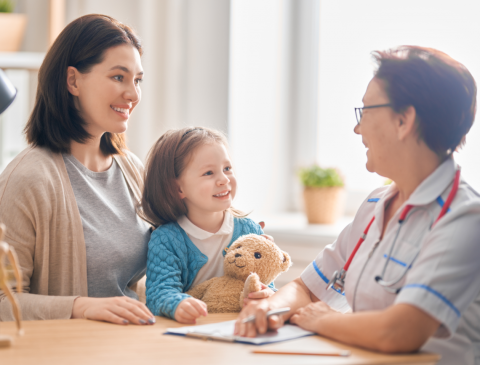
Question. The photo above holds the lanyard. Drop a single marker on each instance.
(338, 278)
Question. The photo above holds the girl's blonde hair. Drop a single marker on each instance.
(166, 161)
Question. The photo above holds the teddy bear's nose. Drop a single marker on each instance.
(238, 255)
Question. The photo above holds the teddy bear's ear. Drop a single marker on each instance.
(287, 262)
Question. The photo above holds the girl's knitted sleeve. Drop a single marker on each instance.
(164, 287)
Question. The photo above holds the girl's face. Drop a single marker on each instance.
(208, 184)
(107, 95)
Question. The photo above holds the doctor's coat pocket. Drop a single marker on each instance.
(400, 262)
(408, 246)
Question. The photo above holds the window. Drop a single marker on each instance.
(349, 32)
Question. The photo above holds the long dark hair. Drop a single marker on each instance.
(55, 121)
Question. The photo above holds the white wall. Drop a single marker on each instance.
(36, 33)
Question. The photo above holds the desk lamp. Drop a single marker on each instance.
(7, 95)
(7, 92)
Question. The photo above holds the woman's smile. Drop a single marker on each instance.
(121, 110)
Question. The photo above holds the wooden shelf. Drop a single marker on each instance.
(21, 60)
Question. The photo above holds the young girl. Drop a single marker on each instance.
(188, 194)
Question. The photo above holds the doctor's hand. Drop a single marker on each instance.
(119, 310)
(264, 293)
(310, 316)
(189, 310)
(259, 308)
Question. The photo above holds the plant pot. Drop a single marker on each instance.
(323, 205)
(12, 29)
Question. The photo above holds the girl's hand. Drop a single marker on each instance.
(189, 310)
(119, 310)
(310, 316)
(264, 293)
(262, 224)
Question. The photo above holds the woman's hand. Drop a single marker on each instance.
(310, 316)
(264, 293)
(119, 310)
(189, 310)
(259, 309)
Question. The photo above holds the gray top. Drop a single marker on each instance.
(115, 237)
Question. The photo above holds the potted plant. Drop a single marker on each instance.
(323, 194)
(12, 27)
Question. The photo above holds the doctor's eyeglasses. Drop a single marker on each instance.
(359, 111)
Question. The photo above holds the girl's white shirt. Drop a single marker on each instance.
(444, 278)
(210, 244)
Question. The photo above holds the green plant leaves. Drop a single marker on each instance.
(6, 6)
(316, 177)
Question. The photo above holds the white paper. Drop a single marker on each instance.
(225, 330)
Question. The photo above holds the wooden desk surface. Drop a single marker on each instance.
(81, 341)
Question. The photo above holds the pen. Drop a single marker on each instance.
(269, 313)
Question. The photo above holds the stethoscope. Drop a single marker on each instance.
(337, 282)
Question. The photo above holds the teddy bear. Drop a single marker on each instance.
(249, 261)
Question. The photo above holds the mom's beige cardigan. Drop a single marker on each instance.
(43, 222)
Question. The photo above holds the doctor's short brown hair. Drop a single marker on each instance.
(167, 159)
(441, 89)
(55, 121)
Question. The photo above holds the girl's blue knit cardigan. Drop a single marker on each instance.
(173, 262)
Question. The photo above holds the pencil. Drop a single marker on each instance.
(344, 353)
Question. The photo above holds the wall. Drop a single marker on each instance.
(36, 33)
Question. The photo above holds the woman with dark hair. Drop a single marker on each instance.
(69, 200)
(405, 274)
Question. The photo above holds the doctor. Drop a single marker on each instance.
(414, 246)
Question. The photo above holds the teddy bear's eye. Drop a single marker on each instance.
(258, 255)
(236, 248)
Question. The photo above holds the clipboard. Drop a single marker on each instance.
(223, 331)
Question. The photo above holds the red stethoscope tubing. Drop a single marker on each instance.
(446, 205)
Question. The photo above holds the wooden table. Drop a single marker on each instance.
(79, 341)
